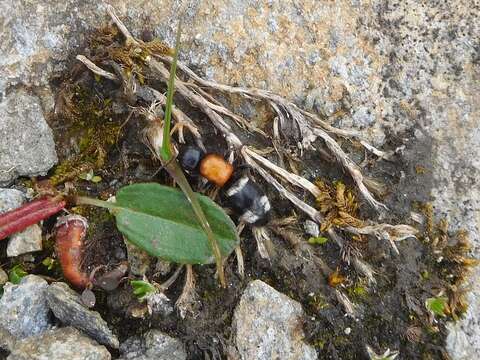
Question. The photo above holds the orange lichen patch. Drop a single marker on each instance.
(216, 169)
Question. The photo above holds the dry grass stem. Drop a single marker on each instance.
(167, 283)
(240, 262)
(186, 302)
(95, 69)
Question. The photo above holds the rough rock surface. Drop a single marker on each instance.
(67, 307)
(59, 344)
(27, 147)
(153, 345)
(23, 308)
(3, 277)
(10, 199)
(138, 260)
(406, 69)
(7, 340)
(27, 240)
(268, 325)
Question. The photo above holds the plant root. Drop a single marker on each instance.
(167, 283)
(264, 244)
(187, 301)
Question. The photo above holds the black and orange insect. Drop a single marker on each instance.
(241, 193)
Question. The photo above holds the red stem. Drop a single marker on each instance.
(29, 214)
(11, 215)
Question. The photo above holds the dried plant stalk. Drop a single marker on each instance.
(309, 126)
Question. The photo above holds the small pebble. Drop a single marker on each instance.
(311, 228)
(3, 277)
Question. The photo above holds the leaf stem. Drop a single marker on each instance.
(176, 172)
(166, 151)
(84, 200)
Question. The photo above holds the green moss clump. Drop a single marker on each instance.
(92, 125)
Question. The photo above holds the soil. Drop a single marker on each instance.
(388, 310)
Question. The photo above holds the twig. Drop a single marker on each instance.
(264, 244)
(129, 39)
(180, 117)
(352, 168)
(95, 69)
(167, 283)
(314, 214)
(391, 233)
(240, 262)
(290, 177)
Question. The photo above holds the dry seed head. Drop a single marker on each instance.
(153, 136)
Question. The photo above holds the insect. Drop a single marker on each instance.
(241, 193)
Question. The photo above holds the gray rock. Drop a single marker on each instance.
(311, 228)
(27, 147)
(159, 304)
(153, 345)
(10, 199)
(138, 260)
(3, 277)
(26, 241)
(68, 308)
(59, 344)
(7, 340)
(23, 308)
(268, 325)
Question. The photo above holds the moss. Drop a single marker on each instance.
(317, 302)
(91, 124)
(358, 292)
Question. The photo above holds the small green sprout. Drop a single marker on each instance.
(49, 263)
(425, 275)
(142, 289)
(16, 274)
(438, 305)
(318, 240)
(89, 176)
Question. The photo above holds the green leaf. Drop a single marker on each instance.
(16, 274)
(48, 262)
(160, 220)
(96, 179)
(437, 305)
(142, 288)
(319, 240)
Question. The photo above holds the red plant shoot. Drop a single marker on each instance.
(69, 243)
(29, 214)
